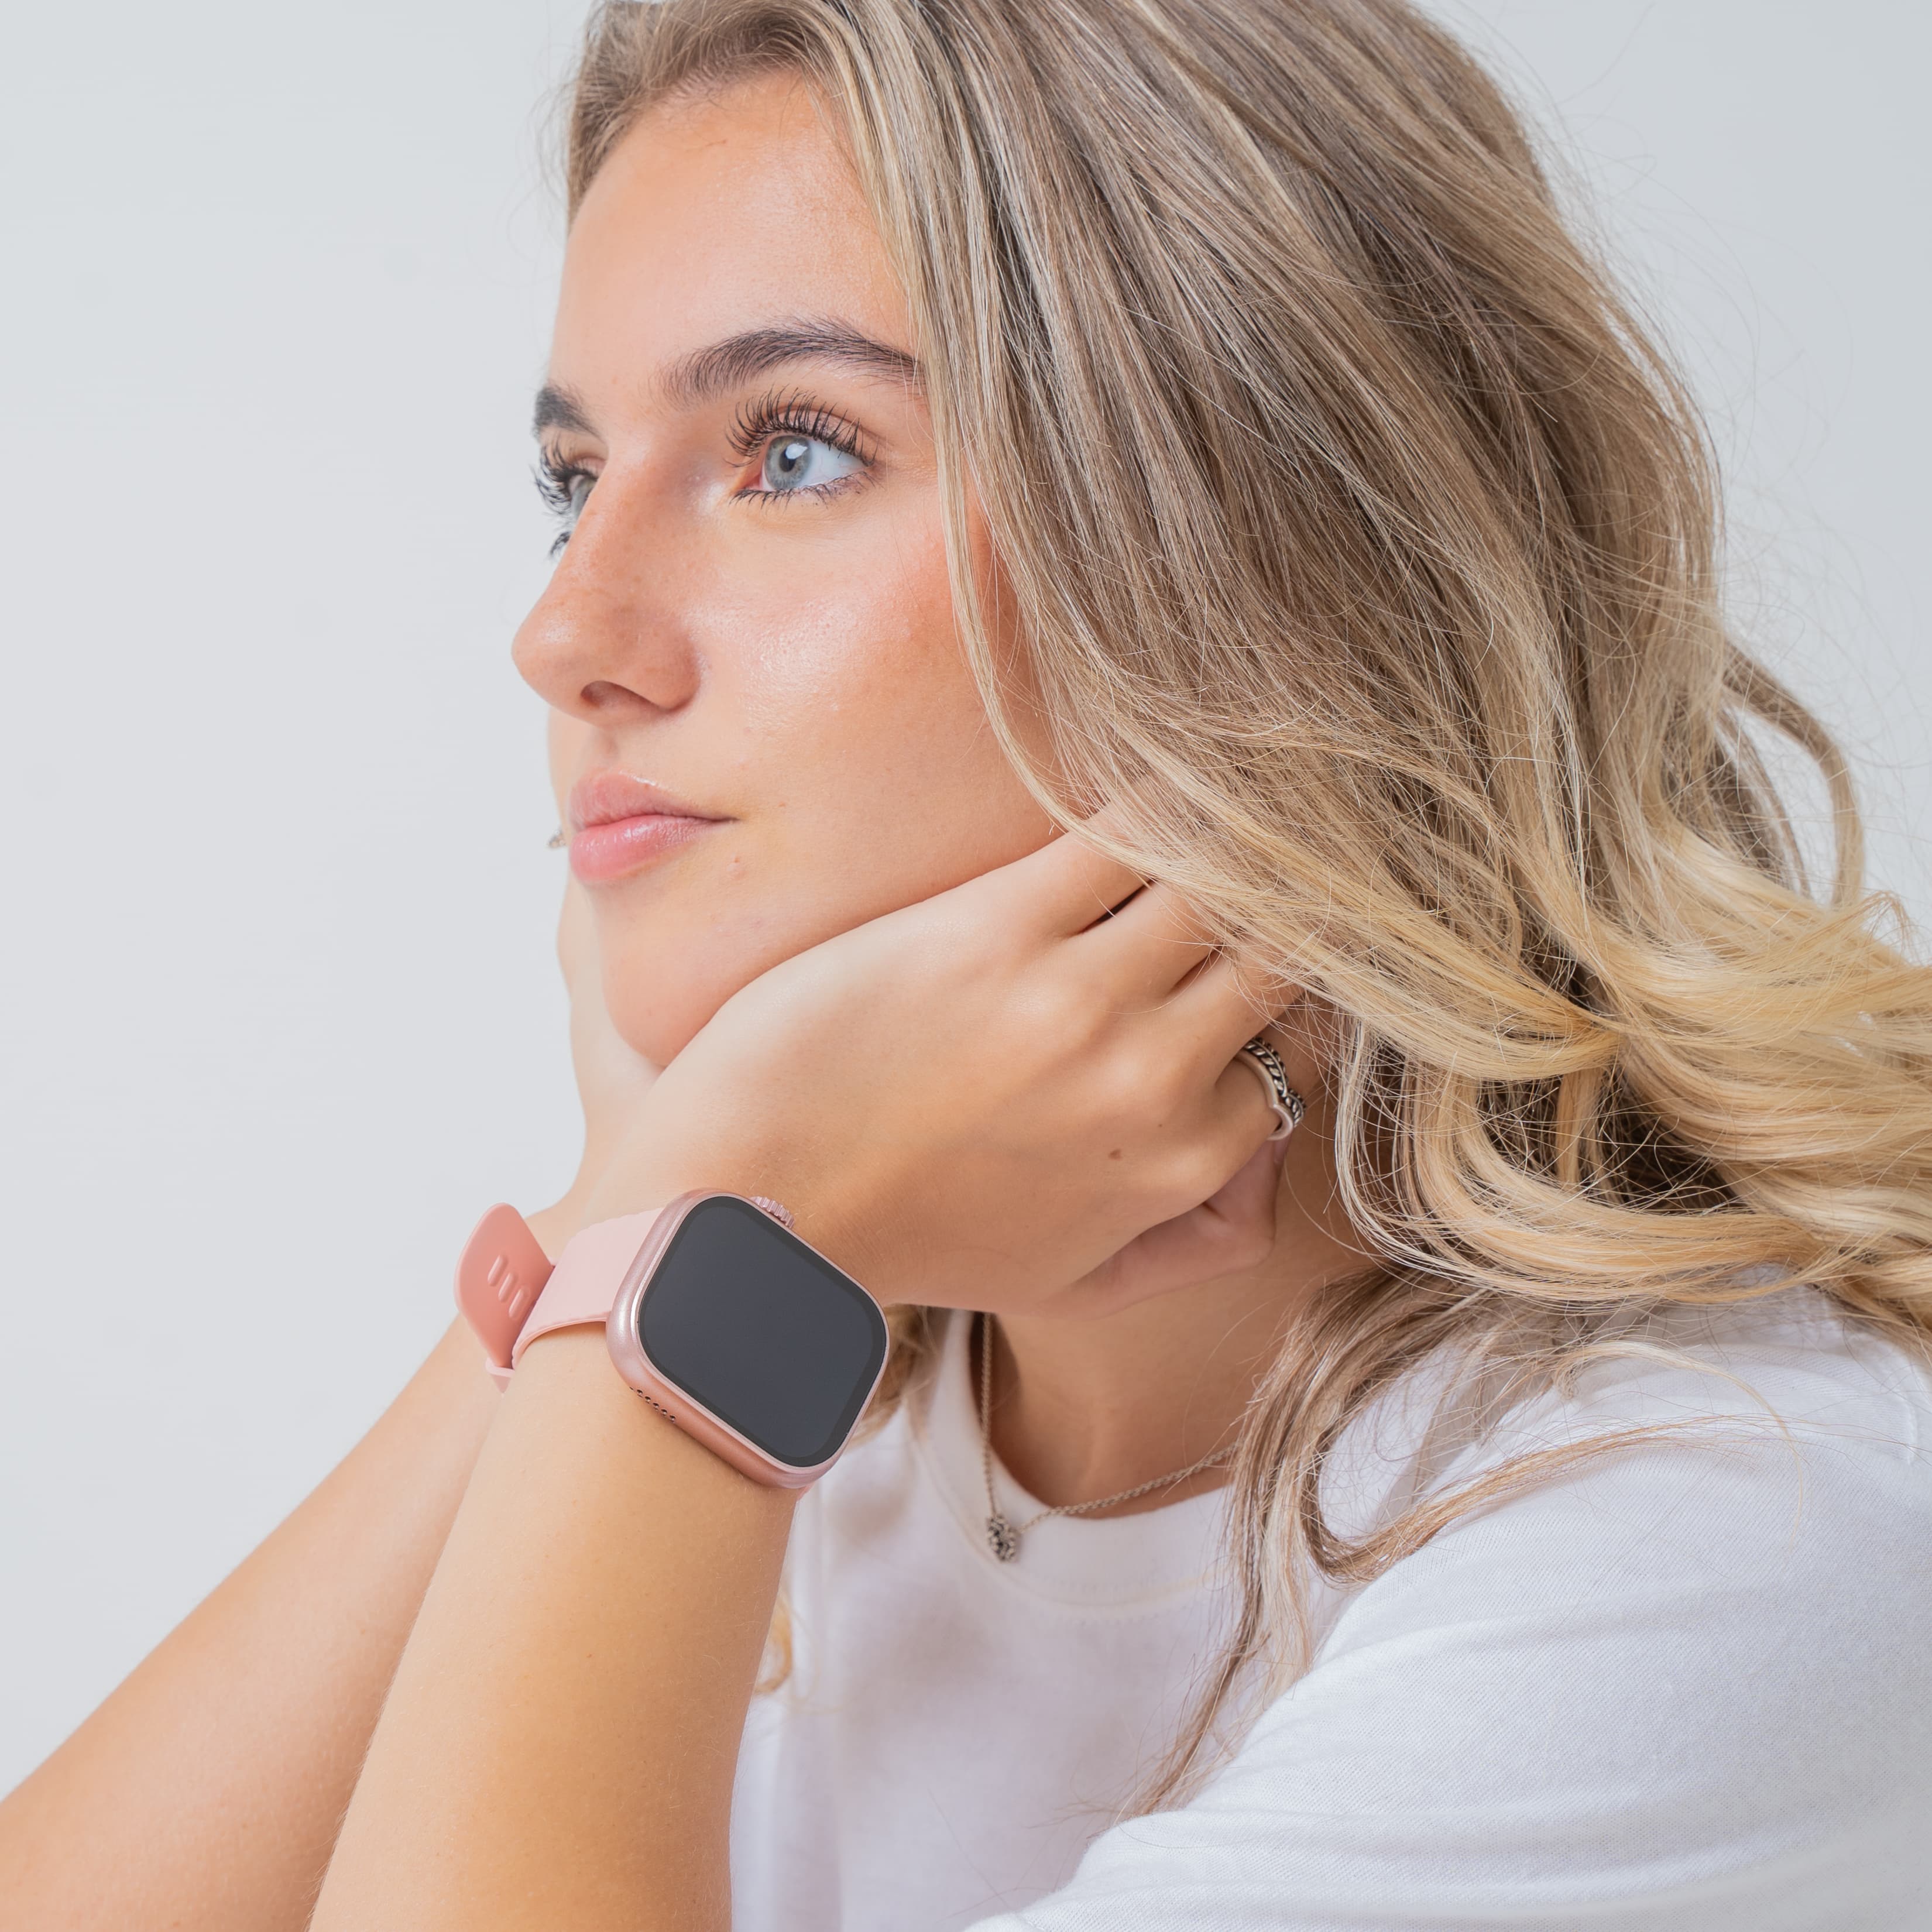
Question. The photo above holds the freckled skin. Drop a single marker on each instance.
(794, 665)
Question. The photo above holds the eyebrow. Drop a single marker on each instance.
(706, 374)
(559, 408)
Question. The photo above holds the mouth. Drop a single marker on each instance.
(621, 825)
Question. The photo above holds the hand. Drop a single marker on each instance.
(1018, 1092)
(612, 1077)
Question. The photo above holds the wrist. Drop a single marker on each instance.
(570, 1214)
(695, 1152)
(644, 1174)
(554, 1225)
(567, 1374)
(580, 1204)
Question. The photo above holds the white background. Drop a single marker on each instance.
(277, 1011)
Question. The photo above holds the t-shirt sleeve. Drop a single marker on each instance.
(1680, 1687)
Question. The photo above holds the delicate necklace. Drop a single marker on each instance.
(1003, 1536)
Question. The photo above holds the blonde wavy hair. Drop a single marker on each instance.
(1365, 552)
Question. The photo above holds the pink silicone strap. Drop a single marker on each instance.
(589, 1273)
(502, 1272)
(510, 1295)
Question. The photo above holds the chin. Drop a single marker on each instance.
(657, 1011)
(665, 977)
(675, 945)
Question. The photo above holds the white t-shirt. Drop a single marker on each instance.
(1687, 1686)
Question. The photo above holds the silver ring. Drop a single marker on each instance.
(1288, 1106)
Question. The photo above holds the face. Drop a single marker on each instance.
(763, 730)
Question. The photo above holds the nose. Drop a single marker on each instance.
(604, 643)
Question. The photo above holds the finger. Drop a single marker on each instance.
(1066, 885)
(1233, 1228)
(1231, 1231)
(1217, 1010)
(1243, 1096)
(1241, 1090)
(1153, 942)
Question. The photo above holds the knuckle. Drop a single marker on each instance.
(1066, 1023)
(1138, 1083)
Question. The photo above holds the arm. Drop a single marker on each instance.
(560, 1745)
(207, 1790)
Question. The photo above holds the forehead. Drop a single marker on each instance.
(713, 215)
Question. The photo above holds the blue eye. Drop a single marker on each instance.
(794, 463)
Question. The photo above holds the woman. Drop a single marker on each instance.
(1089, 531)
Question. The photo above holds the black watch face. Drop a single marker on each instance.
(770, 1337)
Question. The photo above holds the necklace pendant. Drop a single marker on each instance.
(1002, 1538)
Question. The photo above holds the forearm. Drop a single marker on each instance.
(207, 1790)
(559, 1746)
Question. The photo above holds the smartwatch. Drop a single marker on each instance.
(714, 1311)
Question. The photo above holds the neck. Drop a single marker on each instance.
(1084, 1407)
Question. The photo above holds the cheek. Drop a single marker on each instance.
(888, 784)
(852, 731)
(841, 710)
(847, 645)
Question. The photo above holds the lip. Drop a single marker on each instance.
(623, 824)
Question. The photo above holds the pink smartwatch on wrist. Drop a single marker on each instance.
(714, 1311)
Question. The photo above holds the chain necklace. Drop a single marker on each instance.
(1003, 1536)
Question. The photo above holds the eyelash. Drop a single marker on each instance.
(554, 479)
(755, 424)
(782, 414)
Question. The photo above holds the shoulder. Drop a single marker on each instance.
(1682, 1680)
(1721, 1610)
(1723, 1424)
(1791, 1357)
